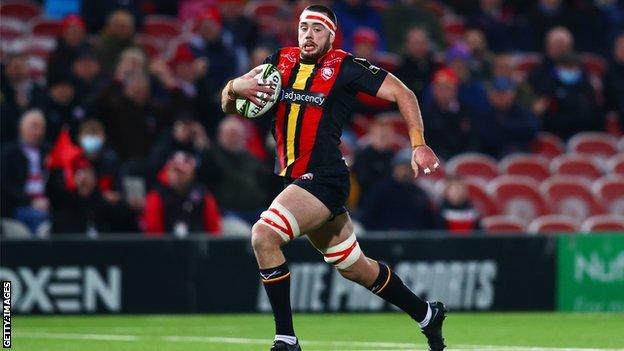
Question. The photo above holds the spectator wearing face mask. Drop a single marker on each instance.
(568, 100)
(180, 205)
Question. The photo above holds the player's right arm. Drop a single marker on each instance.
(258, 91)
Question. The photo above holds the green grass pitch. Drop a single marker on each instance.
(318, 332)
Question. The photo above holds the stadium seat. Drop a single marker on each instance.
(263, 12)
(547, 145)
(480, 199)
(22, 9)
(44, 27)
(12, 228)
(37, 67)
(454, 28)
(151, 46)
(526, 62)
(517, 196)
(388, 61)
(594, 64)
(609, 191)
(615, 165)
(576, 165)
(571, 196)
(502, 224)
(473, 165)
(12, 28)
(528, 165)
(603, 223)
(161, 27)
(602, 145)
(553, 224)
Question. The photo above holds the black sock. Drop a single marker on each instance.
(390, 287)
(277, 285)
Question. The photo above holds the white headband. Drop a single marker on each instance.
(318, 17)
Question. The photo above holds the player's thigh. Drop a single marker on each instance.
(331, 233)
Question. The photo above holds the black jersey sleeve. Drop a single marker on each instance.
(363, 75)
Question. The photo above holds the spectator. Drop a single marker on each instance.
(189, 136)
(353, 14)
(372, 163)
(23, 173)
(243, 30)
(132, 61)
(242, 189)
(117, 36)
(457, 213)
(418, 64)
(449, 129)
(559, 43)
(87, 76)
(481, 57)
(70, 43)
(566, 101)
(497, 21)
(180, 205)
(365, 44)
(82, 208)
(613, 82)
(503, 66)
(61, 107)
(397, 203)
(506, 127)
(402, 16)
(471, 92)
(19, 93)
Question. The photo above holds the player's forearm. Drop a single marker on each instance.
(408, 106)
(228, 98)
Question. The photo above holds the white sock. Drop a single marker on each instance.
(427, 317)
(290, 340)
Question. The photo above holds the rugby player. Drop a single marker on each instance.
(319, 85)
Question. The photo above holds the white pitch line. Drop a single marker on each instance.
(360, 345)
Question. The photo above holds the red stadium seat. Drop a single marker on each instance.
(161, 27)
(12, 28)
(603, 223)
(592, 143)
(454, 28)
(576, 165)
(609, 191)
(615, 165)
(22, 9)
(594, 64)
(571, 196)
(480, 198)
(473, 165)
(526, 62)
(151, 46)
(534, 166)
(263, 12)
(45, 27)
(517, 196)
(502, 224)
(547, 145)
(388, 61)
(38, 46)
(553, 224)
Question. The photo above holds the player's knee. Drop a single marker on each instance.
(343, 255)
(263, 238)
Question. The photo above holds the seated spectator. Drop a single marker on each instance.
(61, 107)
(402, 16)
(568, 100)
(189, 136)
(457, 214)
(117, 36)
(397, 203)
(242, 189)
(559, 43)
(449, 131)
(71, 41)
(353, 14)
(471, 91)
(481, 57)
(365, 44)
(497, 21)
(87, 77)
(179, 204)
(80, 207)
(19, 93)
(506, 127)
(503, 66)
(23, 173)
(418, 64)
(244, 30)
(372, 163)
(613, 82)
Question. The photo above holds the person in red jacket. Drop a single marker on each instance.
(179, 204)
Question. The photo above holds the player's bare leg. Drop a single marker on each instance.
(336, 240)
(293, 212)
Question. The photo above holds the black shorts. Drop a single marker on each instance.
(332, 189)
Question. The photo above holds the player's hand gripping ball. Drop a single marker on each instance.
(265, 75)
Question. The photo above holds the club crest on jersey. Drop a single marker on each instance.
(307, 176)
(327, 73)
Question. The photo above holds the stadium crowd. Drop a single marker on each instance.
(120, 129)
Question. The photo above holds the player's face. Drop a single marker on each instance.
(314, 40)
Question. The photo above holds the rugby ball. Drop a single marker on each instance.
(247, 108)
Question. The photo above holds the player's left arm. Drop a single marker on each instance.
(392, 89)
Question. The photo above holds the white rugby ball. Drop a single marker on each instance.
(247, 108)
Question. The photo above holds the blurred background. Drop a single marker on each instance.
(119, 167)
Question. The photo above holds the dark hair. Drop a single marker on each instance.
(324, 9)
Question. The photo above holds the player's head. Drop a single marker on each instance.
(317, 31)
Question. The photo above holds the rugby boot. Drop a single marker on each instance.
(279, 345)
(433, 330)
